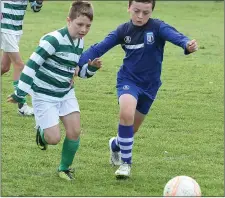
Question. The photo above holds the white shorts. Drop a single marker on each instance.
(47, 112)
(10, 42)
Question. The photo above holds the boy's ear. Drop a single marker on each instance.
(68, 19)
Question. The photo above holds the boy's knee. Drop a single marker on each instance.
(126, 118)
(4, 68)
(74, 134)
(53, 139)
(5, 65)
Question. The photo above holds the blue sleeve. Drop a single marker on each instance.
(169, 33)
(97, 50)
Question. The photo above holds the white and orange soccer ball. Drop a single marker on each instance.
(182, 186)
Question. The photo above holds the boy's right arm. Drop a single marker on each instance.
(96, 51)
(46, 48)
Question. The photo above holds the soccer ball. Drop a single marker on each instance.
(36, 5)
(182, 186)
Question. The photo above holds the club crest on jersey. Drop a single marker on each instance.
(150, 38)
(127, 39)
(126, 87)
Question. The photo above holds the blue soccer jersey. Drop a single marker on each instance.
(144, 48)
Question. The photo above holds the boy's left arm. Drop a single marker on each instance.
(170, 34)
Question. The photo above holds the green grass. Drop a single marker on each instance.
(186, 120)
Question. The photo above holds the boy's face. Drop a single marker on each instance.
(140, 12)
(78, 27)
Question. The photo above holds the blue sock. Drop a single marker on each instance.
(115, 145)
(125, 139)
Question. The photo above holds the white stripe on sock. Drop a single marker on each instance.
(126, 147)
(128, 155)
(125, 139)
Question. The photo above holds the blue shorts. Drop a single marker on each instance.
(143, 101)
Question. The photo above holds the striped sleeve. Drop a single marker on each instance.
(47, 47)
(87, 71)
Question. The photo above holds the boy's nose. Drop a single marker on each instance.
(140, 15)
(83, 29)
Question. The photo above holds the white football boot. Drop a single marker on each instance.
(123, 172)
(115, 157)
(25, 110)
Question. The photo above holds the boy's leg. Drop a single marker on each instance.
(5, 60)
(121, 146)
(140, 114)
(128, 105)
(10, 46)
(71, 143)
(5, 63)
(138, 120)
(70, 116)
(47, 120)
(47, 136)
(18, 64)
(142, 109)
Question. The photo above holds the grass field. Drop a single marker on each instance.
(186, 120)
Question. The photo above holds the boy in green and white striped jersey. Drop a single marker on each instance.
(12, 15)
(48, 78)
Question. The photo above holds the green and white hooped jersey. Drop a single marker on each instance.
(12, 16)
(51, 67)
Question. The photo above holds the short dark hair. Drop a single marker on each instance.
(144, 1)
(79, 8)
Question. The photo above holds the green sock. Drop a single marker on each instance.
(69, 150)
(42, 135)
(15, 85)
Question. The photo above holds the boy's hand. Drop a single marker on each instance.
(77, 69)
(10, 99)
(95, 63)
(13, 98)
(192, 46)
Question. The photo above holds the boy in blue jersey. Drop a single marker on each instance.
(138, 80)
